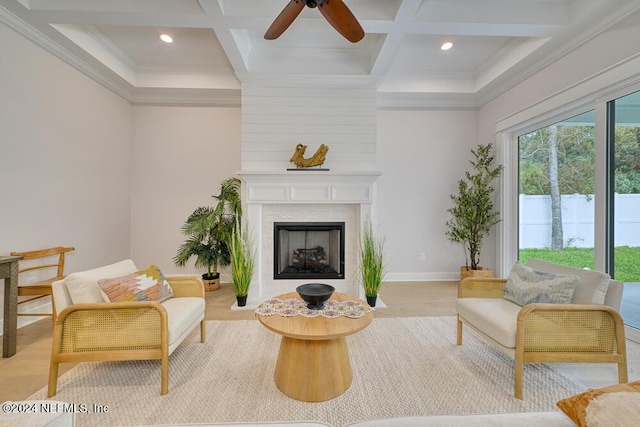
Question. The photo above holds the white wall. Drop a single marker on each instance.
(64, 158)
(180, 156)
(276, 119)
(422, 155)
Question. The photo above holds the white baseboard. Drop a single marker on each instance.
(422, 277)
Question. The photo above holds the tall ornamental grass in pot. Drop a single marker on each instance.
(242, 263)
(371, 263)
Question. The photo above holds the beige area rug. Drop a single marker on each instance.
(401, 367)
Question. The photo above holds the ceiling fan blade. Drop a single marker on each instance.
(286, 17)
(340, 17)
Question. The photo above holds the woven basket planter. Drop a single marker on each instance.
(211, 285)
(481, 272)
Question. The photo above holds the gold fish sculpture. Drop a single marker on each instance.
(316, 160)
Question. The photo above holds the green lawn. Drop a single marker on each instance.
(627, 260)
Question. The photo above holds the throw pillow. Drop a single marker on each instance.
(527, 286)
(143, 285)
(593, 285)
(83, 286)
(617, 405)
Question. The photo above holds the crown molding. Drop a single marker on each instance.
(40, 39)
(219, 93)
(93, 32)
(295, 80)
(491, 91)
(187, 97)
(426, 101)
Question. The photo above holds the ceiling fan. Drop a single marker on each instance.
(334, 11)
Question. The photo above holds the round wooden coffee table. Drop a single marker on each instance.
(313, 363)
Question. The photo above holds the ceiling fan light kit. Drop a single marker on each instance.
(334, 11)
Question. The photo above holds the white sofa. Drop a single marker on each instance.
(588, 329)
(89, 327)
(525, 419)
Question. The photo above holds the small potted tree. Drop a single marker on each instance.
(242, 262)
(472, 212)
(208, 230)
(371, 263)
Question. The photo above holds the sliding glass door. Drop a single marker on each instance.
(623, 251)
(556, 175)
(556, 196)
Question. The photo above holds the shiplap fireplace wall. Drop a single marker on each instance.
(275, 118)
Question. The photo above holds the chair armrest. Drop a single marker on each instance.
(481, 287)
(110, 326)
(186, 286)
(571, 328)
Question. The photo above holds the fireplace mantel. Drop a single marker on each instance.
(305, 195)
(309, 186)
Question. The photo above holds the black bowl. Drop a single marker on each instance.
(315, 294)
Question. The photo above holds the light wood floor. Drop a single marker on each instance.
(26, 372)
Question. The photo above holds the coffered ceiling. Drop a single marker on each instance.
(219, 46)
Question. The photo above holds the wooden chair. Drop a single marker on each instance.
(43, 287)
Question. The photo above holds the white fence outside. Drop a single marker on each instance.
(577, 220)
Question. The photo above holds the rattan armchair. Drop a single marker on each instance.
(547, 333)
(111, 331)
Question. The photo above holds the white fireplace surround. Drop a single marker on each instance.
(305, 196)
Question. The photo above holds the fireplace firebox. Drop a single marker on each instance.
(308, 250)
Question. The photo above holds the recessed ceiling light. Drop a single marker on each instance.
(166, 38)
(446, 46)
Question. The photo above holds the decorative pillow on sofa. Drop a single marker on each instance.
(526, 286)
(593, 285)
(83, 286)
(618, 405)
(143, 285)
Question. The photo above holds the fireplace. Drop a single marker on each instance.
(306, 197)
(308, 250)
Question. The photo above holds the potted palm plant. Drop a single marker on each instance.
(242, 261)
(472, 212)
(208, 230)
(371, 263)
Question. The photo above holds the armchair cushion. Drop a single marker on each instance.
(183, 312)
(143, 285)
(495, 317)
(593, 284)
(83, 286)
(526, 285)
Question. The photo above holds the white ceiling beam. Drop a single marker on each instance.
(238, 57)
(556, 12)
(483, 29)
(392, 41)
(156, 19)
(131, 6)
